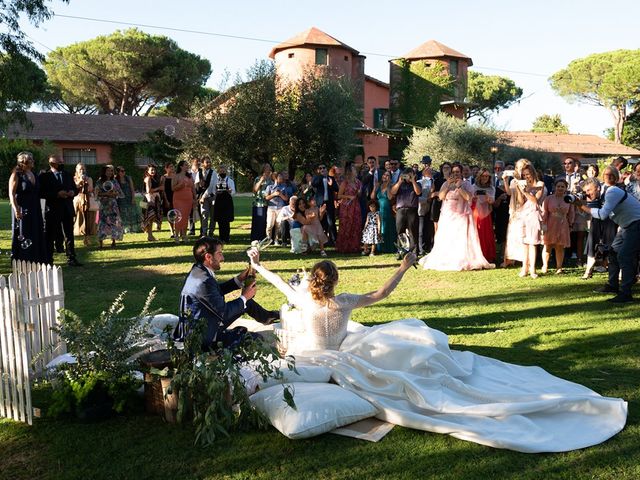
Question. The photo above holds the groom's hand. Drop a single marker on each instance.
(249, 291)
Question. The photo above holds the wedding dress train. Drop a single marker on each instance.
(408, 372)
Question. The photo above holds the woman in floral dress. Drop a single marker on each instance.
(558, 216)
(129, 209)
(108, 191)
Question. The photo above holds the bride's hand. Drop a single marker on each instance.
(408, 260)
(254, 255)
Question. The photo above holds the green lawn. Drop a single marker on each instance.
(554, 322)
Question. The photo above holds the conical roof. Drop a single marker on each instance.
(434, 49)
(311, 36)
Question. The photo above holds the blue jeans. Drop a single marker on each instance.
(623, 256)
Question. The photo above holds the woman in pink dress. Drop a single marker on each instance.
(558, 216)
(184, 194)
(456, 244)
(483, 198)
(529, 192)
(350, 230)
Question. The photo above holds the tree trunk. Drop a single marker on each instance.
(619, 113)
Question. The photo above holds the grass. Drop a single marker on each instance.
(555, 322)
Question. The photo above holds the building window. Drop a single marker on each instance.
(346, 58)
(380, 117)
(453, 68)
(73, 156)
(291, 55)
(322, 55)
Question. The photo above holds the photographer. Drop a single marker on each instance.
(624, 210)
(406, 192)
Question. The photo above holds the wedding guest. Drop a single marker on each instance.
(152, 193)
(572, 177)
(167, 193)
(381, 193)
(530, 192)
(602, 231)
(483, 199)
(109, 221)
(456, 245)
(371, 236)
(387, 165)
(350, 229)
(290, 187)
(395, 171)
(624, 210)
(406, 192)
(369, 175)
(326, 187)
(85, 205)
(425, 224)
(620, 163)
(184, 197)
(259, 209)
(633, 182)
(129, 210)
(223, 208)
(285, 219)
(58, 189)
(194, 215)
(313, 232)
(205, 188)
(276, 197)
(466, 174)
(514, 250)
(558, 216)
(500, 210)
(28, 237)
(436, 204)
(336, 172)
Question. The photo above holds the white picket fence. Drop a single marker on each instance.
(29, 301)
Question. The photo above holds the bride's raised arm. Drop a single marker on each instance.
(388, 287)
(273, 278)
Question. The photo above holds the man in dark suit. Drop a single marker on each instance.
(326, 188)
(58, 189)
(202, 299)
(369, 176)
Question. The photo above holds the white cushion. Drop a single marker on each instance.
(305, 373)
(320, 407)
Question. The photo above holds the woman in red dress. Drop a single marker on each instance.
(483, 198)
(350, 227)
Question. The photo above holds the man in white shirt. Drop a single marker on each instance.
(223, 210)
(206, 181)
(285, 218)
(425, 224)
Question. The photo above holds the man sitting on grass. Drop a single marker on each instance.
(202, 298)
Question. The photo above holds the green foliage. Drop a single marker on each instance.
(160, 147)
(293, 125)
(421, 89)
(631, 133)
(315, 120)
(9, 150)
(22, 83)
(451, 139)
(607, 79)
(125, 73)
(549, 124)
(489, 94)
(211, 388)
(103, 348)
(124, 154)
(181, 106)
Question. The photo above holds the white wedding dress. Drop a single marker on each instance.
(408, 372)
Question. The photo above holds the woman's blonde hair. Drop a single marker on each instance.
(22, 159)
(324, 278)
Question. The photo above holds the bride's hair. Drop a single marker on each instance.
(324, 278)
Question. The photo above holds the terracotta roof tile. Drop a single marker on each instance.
(567, 143)
(434, 49)
(95, 128)
(311, 36)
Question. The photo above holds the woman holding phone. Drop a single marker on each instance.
(482, 204)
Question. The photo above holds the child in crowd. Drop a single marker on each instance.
(313, 230)
(371, 232)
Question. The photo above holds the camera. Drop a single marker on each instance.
(601, 250)
(572, 197)
(508, 173)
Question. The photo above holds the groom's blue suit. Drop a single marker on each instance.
(202, 298)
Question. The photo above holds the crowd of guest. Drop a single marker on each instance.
(458, 217)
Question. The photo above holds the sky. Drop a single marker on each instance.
(525, 41)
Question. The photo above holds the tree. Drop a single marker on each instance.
(296, 125)
(181, 106)
(549, 124)
(316, 116)
(125, 73)
(451, 139)
(20, 79)
(22, 83)
(607, 79)
(490, 94)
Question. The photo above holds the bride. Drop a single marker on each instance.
(408, 372)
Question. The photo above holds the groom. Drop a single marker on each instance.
(202, 298)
